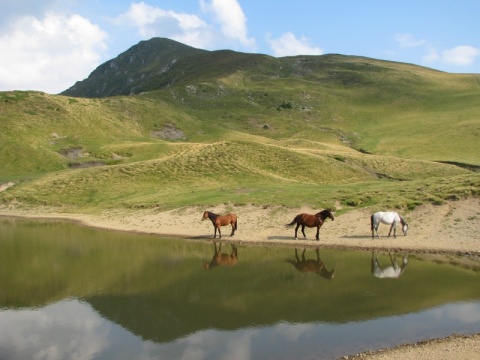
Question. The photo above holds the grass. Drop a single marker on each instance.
(311, 131)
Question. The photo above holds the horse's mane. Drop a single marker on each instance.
(212, 214)
(327, 213)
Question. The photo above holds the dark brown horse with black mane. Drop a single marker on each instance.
(315, 266)
(221, 220)
(308, 220)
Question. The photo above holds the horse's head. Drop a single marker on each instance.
(404, 225)
(328, 274)
(205, 215)
(322, 215)
(330, 215)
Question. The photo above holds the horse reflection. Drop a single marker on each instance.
(392, 271)
(312, 265)
(222, 259)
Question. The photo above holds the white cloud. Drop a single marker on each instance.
(191, 29)
(408, 40)
(460, 55)
(49, 54)
(289, 45)
(44, 334)
(231, 18)
(153, 21)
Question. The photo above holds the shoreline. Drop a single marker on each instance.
(456, 346)
(451, 228)
(309, 244)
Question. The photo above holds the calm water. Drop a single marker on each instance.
(68, 291)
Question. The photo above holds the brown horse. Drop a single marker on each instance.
(221, 220)
(222, 259)
(312, 265)
(308, 220)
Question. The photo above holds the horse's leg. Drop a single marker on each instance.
(372, 225)
(318, 233)
(375, 229)
(394, 227)
(233, 228)
(393, 261)
(376, 268)
(303, 232)
(296, 230)
(219, 232)
(391, 227)
(372, 262)
(215, 231)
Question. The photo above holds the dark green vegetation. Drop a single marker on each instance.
(213, 127)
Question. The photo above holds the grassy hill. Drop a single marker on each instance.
(220, 127)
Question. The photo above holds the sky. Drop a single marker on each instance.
(48, 45)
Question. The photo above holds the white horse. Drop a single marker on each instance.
(393, 271)
(390, 218)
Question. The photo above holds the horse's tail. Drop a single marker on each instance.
(293, 222)
(371, 223)
(236, 223)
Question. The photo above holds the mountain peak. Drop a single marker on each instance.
(131, 71)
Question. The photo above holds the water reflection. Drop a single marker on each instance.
(67, 329)
(391, 271)
(67, 289)
(222, 259)
(315, 265)
(73, 329)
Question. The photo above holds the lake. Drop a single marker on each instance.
(70, 291)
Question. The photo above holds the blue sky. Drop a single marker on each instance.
(48, 45)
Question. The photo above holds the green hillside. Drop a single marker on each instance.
(218, 127)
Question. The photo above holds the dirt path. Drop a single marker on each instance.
(453, 228)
